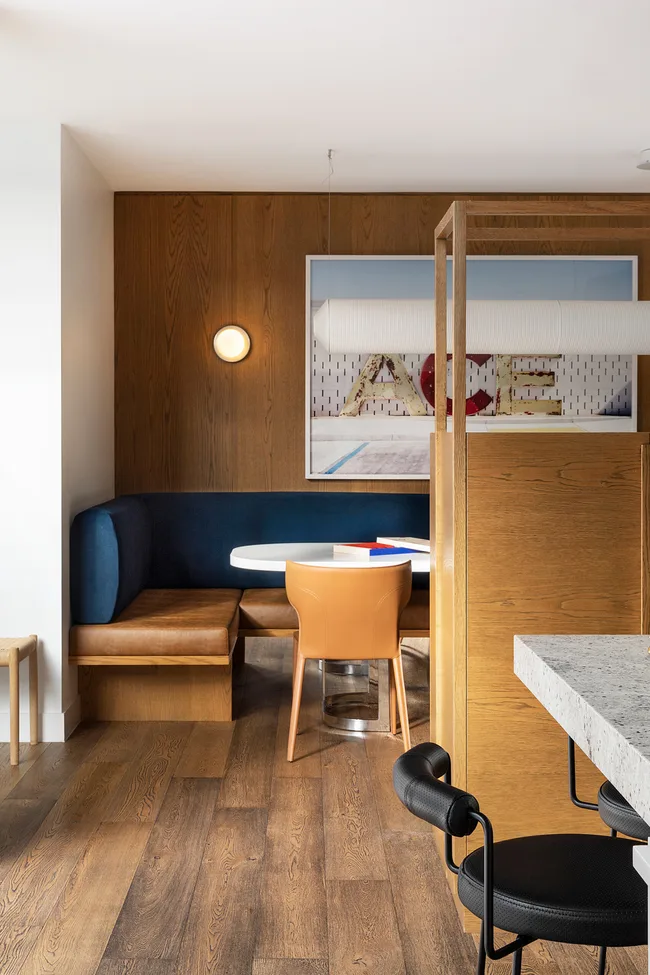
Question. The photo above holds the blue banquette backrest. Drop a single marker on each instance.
(184, 540)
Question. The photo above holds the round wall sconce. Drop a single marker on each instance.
(644, 160)
(232, 343)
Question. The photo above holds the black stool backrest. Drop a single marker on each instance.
(416, 776)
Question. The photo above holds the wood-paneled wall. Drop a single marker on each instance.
(554, 545)
(186, 264)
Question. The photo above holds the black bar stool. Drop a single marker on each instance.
(615, 812)
(572, 888)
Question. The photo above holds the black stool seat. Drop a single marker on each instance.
(619, 815)
(562, 888)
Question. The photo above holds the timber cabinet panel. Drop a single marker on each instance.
(156, 693)
(554, 545)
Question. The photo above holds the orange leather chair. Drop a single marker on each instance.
(349, 614)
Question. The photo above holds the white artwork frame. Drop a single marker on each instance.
(474, 424)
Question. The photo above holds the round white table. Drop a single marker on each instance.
(274, 558)
(341, 710)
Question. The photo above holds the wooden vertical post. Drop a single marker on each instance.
(438, 653)
(450, 471)
(440, 347)
(460, 493)
(645, 538)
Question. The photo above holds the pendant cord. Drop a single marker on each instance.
(330, 154)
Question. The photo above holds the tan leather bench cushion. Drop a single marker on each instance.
(186, 622)
(269, 609)
(415, 616)
(266, 609)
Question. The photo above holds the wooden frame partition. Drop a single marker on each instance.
(534, 532)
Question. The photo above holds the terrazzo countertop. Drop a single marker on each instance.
(598, 689)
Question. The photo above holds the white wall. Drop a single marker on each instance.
(30, 402)
(55, 393)
(87, 354)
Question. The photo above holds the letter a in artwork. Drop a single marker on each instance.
(366, 386)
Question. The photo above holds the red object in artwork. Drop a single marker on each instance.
(473, 404)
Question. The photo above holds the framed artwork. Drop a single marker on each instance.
(369, 410)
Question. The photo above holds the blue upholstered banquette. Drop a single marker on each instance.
(184, 540)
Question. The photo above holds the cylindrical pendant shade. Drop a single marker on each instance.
(344, 325)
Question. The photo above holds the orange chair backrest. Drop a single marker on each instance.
(349, 613)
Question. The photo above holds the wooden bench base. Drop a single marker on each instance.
(145, 692)
(140, 660)
(421, 634)
(167, 688)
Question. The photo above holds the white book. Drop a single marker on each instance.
(419, 544)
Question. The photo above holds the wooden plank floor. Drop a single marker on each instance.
(179, 849)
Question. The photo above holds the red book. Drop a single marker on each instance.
(346, 545)
(364, 551)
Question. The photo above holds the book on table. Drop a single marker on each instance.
(419, 544)
(364, 551)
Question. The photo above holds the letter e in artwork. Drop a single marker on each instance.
(509, 380)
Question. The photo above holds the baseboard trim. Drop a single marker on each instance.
(53, 725)
(72, 716)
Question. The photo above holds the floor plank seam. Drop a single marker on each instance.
(400, 928)
(258, 904)
(117, 916)
(190, 899)
(325, 880)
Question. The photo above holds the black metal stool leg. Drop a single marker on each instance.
(480, 965)
(613, 832)
(602, 961)
(516, 962)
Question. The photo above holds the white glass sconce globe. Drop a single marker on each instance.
(232, 343)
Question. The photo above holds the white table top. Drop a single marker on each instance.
(597, 688)
(274, 558)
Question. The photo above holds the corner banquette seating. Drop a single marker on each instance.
(158, 612)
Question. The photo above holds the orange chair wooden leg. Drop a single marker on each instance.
(295, 705)
(392, 700)
(401, 701)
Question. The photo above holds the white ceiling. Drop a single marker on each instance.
(540, 95)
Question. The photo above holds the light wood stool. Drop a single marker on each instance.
(12, 651)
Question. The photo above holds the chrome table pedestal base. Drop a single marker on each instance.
(345, 668)
(358, 710)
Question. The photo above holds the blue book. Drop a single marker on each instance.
(394, 551)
